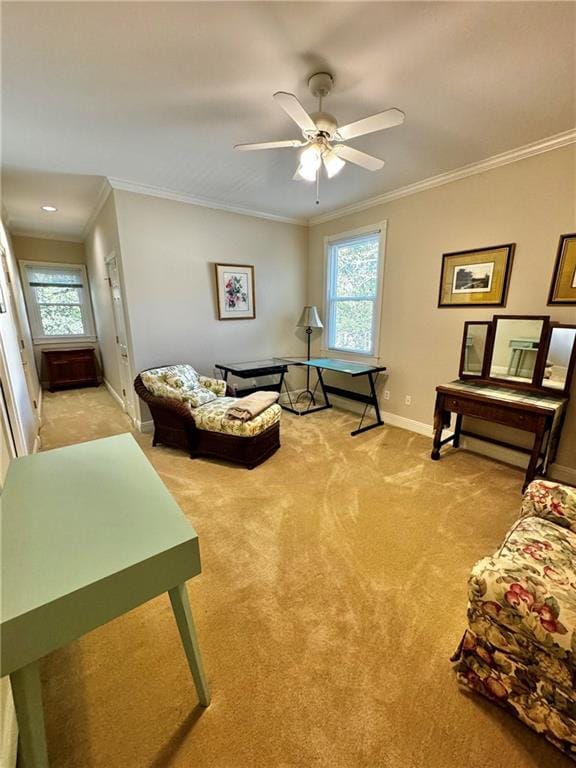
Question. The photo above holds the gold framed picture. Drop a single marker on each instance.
(235, 291)
(563, 286)
(478, 277)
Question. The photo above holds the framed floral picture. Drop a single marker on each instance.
(235, 292)
(563, 287)
(479, 277)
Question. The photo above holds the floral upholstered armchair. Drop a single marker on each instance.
(520, 646)
(190, 411)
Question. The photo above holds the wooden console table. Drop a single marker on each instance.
(534, 412)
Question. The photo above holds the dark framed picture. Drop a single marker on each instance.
(235, 292)
(479, 277)
(563, 286)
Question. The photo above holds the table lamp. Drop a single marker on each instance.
(309, 319)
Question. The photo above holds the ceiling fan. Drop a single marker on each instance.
(322, 137)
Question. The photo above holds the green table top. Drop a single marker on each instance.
(341, 366)
(86, 515)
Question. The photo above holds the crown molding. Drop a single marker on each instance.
(23, 232)
(103, 193)
(6, 220)
(520, 153)
(204, 202)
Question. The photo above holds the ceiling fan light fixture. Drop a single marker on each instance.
(332, 163)
(307, 172)
(311, 156)
(310, 161)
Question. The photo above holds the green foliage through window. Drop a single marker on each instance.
(352, 293)
(57, 300)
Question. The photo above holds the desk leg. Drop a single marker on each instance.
(439, 421)
(183, 616)
(535, 457)
(27, 693)
(457, 430)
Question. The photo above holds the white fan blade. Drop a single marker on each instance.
(379, 122)
(369, 162)
(295, 110)
(270, 145)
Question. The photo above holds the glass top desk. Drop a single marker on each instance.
(254, 369)
(279, 365)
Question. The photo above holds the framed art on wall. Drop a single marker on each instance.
(479, 277)
(235, 292)
(563, 287)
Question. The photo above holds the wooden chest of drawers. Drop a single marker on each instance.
(70, 368)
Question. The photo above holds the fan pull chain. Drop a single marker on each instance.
(318, 187)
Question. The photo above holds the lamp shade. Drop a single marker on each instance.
(309, 318)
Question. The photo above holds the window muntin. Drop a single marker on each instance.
(58, 301)
(353, 293)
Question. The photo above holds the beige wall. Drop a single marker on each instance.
(530, 202)
(41, 249)
(101, 241)
(168, 254)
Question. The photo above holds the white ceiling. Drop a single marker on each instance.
(158, 93)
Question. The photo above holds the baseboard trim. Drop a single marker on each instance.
(39, 405)
(114, 394)
(392, 419)
(563, 474)
(145, 426)
(516, 458)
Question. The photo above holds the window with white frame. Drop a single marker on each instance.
(354, 283)
(58, 301)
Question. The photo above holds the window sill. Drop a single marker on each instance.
(59, 340)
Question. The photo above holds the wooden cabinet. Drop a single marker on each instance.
(70, 368)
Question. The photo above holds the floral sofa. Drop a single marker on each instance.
(520, 646)
(190, 412)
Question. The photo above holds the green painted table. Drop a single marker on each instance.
(88, 533)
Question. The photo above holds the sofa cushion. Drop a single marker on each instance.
(212, 418)
(178, 382)
(529, 585)
(218, 386)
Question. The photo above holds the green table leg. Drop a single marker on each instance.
(27, 693)
(183, 615)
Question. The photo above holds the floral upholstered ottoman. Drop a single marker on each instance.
(190, 412)
(520, 646)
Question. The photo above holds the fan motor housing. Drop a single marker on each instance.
(325, 123)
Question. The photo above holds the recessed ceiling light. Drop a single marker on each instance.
(49, 208)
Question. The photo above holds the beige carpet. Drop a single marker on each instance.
(332, 596)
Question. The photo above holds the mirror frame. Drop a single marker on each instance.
(565, 392)
(537, 383)
(540, 357)
(483, 372)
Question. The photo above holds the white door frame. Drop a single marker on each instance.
(28, 365)
(121, 337)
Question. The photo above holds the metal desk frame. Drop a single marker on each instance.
(371, 399)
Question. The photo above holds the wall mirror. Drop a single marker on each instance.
(560, 358)
(474, 343)
(516, 349)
